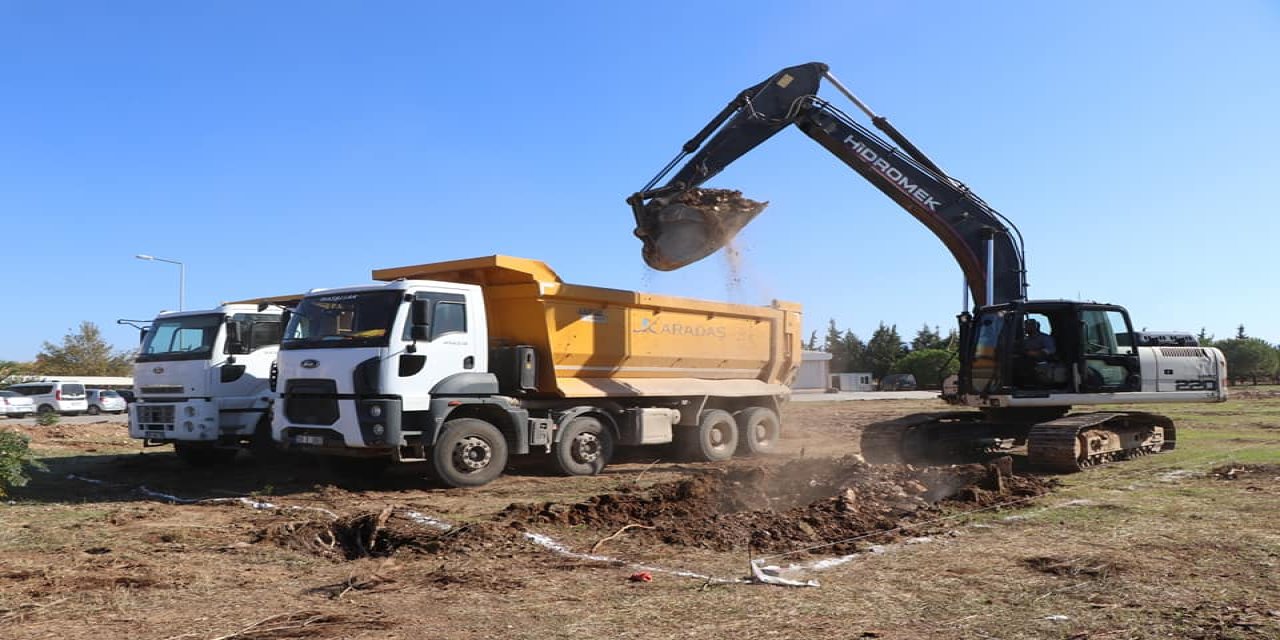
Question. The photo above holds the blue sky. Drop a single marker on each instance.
(276, 147)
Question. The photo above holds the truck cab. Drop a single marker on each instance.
(360, 366)
(201, 379)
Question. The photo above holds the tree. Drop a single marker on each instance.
(1250, 358)
(10, 369)
(927, 338)
(929, 366)
(834, 345)
(1204, 338)
(83, 354)
(812, 344)
(15, 457)
(855, 353)
(883, 349)
(1240, 335)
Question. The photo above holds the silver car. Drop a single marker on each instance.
(104, 401)
(16, 405)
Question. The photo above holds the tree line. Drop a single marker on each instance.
(1248, 358)
(931, 357)
(82, 353)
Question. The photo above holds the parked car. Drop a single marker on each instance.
(104, 401)
(898, 382)
(16, 405)
(127, 394)
(54, 397)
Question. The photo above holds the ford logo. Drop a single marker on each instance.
(158, 370)
(309, 364)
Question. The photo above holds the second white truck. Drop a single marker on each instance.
(202, 380)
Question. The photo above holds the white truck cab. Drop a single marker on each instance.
(202, 380)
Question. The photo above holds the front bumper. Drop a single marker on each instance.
(188, 421)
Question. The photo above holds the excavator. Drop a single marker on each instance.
(1023, 363)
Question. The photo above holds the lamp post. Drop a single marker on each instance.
(182, 274)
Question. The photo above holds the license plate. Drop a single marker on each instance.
(155, 435)
(315, 441)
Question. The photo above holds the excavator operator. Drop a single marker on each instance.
(1037, 346)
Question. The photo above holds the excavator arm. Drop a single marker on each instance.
(677, 229)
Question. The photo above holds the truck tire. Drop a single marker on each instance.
(584, 448)
(199, 454)
(713, 440)
(759, 430)
(469, 453)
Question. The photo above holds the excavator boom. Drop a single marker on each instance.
(676, 231)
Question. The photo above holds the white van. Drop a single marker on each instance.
(67, 398)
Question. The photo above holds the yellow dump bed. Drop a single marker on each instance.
(596, 342)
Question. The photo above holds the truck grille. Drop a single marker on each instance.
(160, 414)
(311, 401)
(161, 388)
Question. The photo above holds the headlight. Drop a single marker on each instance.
(378, 430)
(190, 411)
(375, 410)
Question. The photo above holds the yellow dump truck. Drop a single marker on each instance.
(462, 364)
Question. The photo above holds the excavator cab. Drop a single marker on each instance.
(1043, 348)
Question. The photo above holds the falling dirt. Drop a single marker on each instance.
(775, 508)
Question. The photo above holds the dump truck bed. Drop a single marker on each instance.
(594, 341)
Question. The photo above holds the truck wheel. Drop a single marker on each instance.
(584, 448)
(203, 455)
(713, 440)
(469, 453)
(758, 431)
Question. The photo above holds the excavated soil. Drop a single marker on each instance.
(764, 507)
(721, 202)
(773, 508)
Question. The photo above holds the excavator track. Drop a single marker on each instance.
(1084, 440)
(900, 441)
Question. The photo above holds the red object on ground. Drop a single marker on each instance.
(641, 576)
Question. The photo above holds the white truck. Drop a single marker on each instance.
(202, 380)
(461, 364)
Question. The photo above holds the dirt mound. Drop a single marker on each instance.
(380, 534)
(774, 508)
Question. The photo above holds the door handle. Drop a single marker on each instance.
(469, 362)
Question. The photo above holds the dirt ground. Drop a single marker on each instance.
(116, 541)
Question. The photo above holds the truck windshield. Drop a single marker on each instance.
(181, 338)
(342, 320)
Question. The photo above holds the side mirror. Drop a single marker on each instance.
(235, 338)
(420, 313)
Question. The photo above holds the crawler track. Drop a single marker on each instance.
(1066, 444)
(1080, 441)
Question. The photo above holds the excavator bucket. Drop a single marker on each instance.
(691, 225)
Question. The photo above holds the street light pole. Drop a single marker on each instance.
(182, 274)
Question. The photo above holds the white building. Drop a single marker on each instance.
(815, 370)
